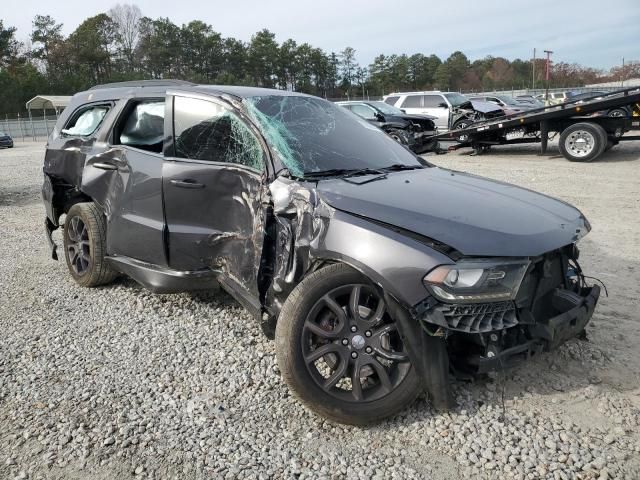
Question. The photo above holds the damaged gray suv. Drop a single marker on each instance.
(377, 273)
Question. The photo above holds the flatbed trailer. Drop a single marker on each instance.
(584, 135)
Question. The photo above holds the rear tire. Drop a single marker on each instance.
(85, 245)
(321, 347)
(582, 142)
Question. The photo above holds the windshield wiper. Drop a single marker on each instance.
(396, 167)
(344, 172)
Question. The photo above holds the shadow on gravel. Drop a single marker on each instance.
(12, 197)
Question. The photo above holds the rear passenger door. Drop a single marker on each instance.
(213, 191)
(125, 178)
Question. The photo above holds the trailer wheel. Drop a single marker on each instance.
(582, 142)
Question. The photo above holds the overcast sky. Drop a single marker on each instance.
(594, 33)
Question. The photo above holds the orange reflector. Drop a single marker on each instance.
(577, 109)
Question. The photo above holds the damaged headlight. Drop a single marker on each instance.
(484, 280)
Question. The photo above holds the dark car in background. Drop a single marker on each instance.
(372, 268)
(5, 140)
(414, 131)
(624, 111)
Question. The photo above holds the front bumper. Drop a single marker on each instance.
(546, 335)
(483, 339)
(6, 143)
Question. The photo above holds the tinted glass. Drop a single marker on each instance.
(363, 111)
(391, 100)
(412, 101)
(144, 126)
(310, 134)
(433, 101)
(86, 121)
(207, 131)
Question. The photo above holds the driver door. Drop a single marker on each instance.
(212, 180)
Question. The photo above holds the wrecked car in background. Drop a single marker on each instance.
(413, 131)
(373, 269)
(450, 109)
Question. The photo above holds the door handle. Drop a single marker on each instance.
(187, 183)
(105, 166)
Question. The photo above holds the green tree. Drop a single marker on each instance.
(442, 77)
(263, 58)
(46, 35)
(8, 45)
(348, 67)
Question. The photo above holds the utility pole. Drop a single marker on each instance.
(622, 74)
(533, 71)
(546, 93)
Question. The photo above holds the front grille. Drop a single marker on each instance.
(477, 318)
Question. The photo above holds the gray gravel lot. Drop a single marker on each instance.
(117, 382)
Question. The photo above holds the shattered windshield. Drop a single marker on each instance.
(310, 135)
(456, 99)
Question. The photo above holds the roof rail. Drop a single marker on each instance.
(143, 83)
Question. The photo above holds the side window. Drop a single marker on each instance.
(391, 100)
(86, 121)
(364, 112)
(412, 101)
(207, 131)
(142, 125)
(433, 101)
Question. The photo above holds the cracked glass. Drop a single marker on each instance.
(208, 131)
(310, 134)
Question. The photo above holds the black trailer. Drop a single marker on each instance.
(585, 128)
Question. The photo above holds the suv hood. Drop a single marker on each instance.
(474, 215)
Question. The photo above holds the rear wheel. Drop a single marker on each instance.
(582, 142)
(85, 245)
(340, 351)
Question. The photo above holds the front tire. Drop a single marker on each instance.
(339, 350)
(85, 245)
(460, 125)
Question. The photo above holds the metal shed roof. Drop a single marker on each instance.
(48, 101)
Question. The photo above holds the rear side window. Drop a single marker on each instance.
(412, 101)
(391, 100)
(204, 130)
(86, 120)
(433, 101)
(143, 126)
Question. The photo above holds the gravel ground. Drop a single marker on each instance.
(117, 382)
